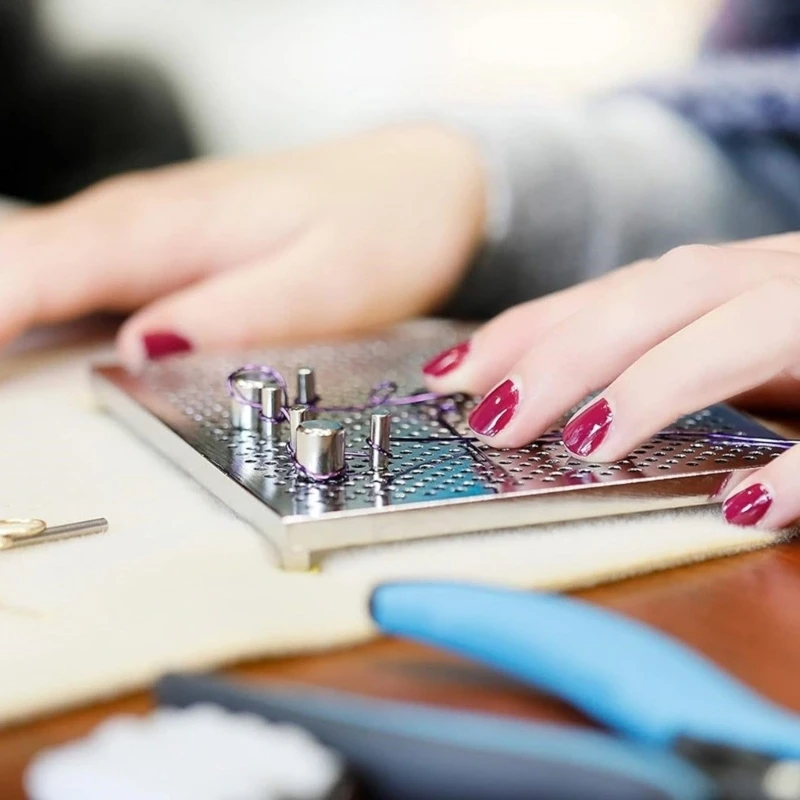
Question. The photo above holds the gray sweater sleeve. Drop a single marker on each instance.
(576, 192)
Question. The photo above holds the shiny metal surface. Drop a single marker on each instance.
(297, 415)
(380, 429)
(306, 386)
(180, 406)
(320, 446)
(244, 416)
(272, 401)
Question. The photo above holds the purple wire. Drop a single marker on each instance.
(385, 394)
(263, 372)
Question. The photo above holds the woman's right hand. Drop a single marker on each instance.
(317, 242)
(659, 340)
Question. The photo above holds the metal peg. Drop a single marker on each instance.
(271, 408)
(380, 428)
(306, 386)
(244, 415)
(21, 533)
(320, 448)
(297, 415)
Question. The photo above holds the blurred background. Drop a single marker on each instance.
(255, 75)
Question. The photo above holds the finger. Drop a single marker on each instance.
(739, 345)
(474, 366)
(767, 498)
(302, 293)
(592, 347)
(480, 363)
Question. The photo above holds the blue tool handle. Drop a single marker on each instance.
(407, 752)
(621, 673)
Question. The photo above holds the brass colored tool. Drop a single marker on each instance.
(25, 532)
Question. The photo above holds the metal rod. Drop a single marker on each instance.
(271, 409)
(73, 529)
(247, 415)
(306, 386)
(380, 428)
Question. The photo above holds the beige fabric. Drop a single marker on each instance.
(178, 582)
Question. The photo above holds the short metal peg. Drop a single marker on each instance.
(297, 415)
(320, 449)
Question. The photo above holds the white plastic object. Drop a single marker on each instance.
(200, 753)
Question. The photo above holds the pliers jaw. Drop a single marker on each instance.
(741, 774)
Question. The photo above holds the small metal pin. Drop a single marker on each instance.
(244, 416)
(306, 386)
(271, 408)
(320, 448)
(380, 428)
(297, 415)
(22, 533)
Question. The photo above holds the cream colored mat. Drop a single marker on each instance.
(178, 582)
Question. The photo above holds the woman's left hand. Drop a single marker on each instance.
(660, 339)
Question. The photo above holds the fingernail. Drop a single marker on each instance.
(495, 411)
(585, 432)
(747, 507)
(446, 361)
(161, 344)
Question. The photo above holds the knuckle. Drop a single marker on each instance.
(692, 262)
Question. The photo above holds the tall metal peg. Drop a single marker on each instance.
(271, 409)
(380, 429)
(306, 386)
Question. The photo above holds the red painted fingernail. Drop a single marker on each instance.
(446, 361)
(495, 411)
(161, 344)
(748, 506)
(584, 433)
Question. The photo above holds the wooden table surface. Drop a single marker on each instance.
(742, 612)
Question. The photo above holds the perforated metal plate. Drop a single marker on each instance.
(181, 407)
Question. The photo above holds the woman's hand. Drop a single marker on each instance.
(663, 339)
(328, 240)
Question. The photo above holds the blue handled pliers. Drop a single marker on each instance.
(636, 681)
